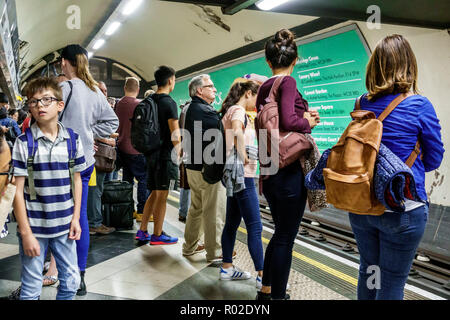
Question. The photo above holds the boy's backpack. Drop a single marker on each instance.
(145, 131)
(213, 173)
(350, 167)
(32, 146)
(290, 146)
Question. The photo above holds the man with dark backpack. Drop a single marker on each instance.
(133, 161)
(162, 172)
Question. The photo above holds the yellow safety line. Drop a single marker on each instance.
(172, 198)
(316, 264)
(304, 258)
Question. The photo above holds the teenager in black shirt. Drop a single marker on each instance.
(162, 172)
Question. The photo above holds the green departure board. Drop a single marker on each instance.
(330, 75)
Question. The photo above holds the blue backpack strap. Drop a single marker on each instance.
(72, 151)
(32, 146)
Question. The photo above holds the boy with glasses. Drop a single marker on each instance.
(47, 162)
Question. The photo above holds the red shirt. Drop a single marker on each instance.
(124, 111)
(26, 124)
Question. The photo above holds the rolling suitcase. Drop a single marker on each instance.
(118, 204)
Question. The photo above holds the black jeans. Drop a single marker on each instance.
(286, 194)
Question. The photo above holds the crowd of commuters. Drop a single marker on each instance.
(77, 109)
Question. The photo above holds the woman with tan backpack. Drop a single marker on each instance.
(387, 243)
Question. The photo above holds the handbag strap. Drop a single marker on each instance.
(274, 90)
(68, 100)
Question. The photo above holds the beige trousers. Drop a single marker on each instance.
(206, 215)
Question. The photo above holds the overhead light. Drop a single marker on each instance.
(131, 6)
(269, 4)
(113, 28)
(98, 44)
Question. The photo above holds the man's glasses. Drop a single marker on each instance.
(211, 86)
(45, 101)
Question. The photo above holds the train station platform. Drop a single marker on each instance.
(119, 269)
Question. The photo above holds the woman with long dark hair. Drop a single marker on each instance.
(389, 241)
(240, 138)
(284, 191)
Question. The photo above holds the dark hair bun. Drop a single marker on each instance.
(284, 37)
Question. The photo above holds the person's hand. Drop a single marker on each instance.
(246, 160)
(315, 114)
(95, 147)
(31, 246)
(111, 142)
(4, 129)
(312, 120)
(114, 135)
(75, 230)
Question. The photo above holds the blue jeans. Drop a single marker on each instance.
(94, 204)
(185, 201)
(135, 166)
(65, 252)
(83, 243)
(244, 204)
(388, 242)
(286, 195)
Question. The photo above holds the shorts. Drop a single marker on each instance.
(162, 175)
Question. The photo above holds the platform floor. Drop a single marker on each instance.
(119, 269)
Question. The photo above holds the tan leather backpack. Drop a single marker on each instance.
(350, 166)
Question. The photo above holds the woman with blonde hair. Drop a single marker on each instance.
(89, 114)
(389, 241)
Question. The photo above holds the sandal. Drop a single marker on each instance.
(52, 280)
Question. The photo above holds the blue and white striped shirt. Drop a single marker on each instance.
(51, 213)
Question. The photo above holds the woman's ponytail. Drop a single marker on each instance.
(82, 70)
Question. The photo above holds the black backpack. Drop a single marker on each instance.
(145, 131)
(213, 173)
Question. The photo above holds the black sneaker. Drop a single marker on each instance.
(82, 291)
(181, 218)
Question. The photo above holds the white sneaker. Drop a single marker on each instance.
(258, 283)
(234, 273)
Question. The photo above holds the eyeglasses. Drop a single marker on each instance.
(45, 101)
(211, 86)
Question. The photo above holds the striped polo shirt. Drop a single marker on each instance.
(51, 213)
